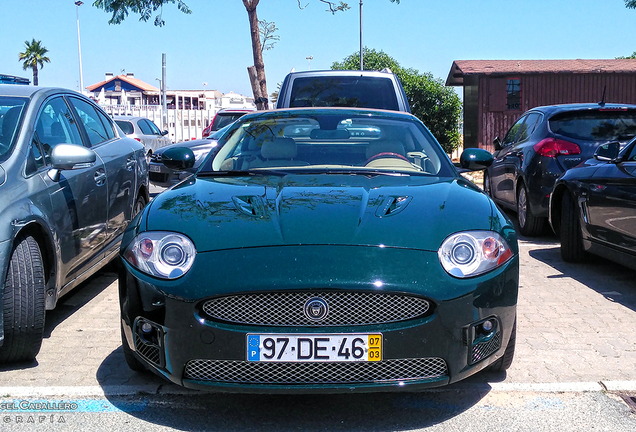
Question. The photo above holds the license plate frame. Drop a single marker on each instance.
(314, 348)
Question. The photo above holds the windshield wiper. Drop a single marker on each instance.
(259, 172)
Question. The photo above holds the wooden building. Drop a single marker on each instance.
(497, 92)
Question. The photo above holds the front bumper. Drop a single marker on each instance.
(438, 348)
(161, 176)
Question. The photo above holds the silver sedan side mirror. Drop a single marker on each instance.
(70, 157)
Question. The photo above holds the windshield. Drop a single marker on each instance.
(126, 126)
(11, 111)
(596, 125)
(344, 91)
(218, 134)
(330, 141)
(224, 119)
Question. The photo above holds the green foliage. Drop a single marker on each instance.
(267, 32)
(633, 56)
(630, 4)
(145, 8)
(34, 57)
(431, 101)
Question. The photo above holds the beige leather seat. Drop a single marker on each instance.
(279, 152)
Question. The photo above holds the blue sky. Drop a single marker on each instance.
(213, 45)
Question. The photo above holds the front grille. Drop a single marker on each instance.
(288, 308)
(156, 157)
(158, 177)
(243, 372)
(483, 350)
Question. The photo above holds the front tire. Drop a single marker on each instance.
(529, 224)
(571, 237)
(129, 355)
(487, 184)
(23, 302)
(505, 361)
(140, 203)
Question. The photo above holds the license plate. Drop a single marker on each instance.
(314, 347)
(155, 168)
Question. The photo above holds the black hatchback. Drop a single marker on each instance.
(544, 143)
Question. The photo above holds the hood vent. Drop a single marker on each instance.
(392, 205)
(250, 205)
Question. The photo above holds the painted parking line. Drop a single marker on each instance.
(77, 393)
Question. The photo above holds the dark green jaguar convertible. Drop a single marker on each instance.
(320, 250)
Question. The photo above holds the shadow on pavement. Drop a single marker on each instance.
(613, 281)
(197, 410)
(81, 295)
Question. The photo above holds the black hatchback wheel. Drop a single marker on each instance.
(487, 185)
(529, 224)
(571, 238)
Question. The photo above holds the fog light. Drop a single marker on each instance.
(487, 326)
(146, 328)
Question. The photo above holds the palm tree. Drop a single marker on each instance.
(34, 55)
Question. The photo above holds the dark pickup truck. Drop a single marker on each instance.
(343, 88)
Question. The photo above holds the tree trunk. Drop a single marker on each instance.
(256, 89)
(35, 74)
(250, 6)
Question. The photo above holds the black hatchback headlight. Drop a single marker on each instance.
(163, 254)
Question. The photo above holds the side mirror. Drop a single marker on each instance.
(70, 157)
(607, 152)
(164, 133)
(497, 143)
(475, 159)
(178, 158)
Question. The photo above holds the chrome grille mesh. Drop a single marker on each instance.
(148, 351)
(287, 308)
(228, 371)
(483, 350)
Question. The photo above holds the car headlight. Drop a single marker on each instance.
(165, 255)
(472, 253)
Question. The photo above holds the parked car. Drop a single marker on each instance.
(593, 206)
(143, 130)
(164, 177)
(223, 118)
(321, 262)
(343, 88)
(544, 143)
(70, 182)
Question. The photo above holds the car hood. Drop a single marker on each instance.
(188, 144)
(415, 212)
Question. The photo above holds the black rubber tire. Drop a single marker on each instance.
(140, 203)
(505, 361)
(129, 355)
(529, 224)
(23, 302)
(570, 231)
(487, 185)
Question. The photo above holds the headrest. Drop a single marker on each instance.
(279, 148)
(9, 121)
(385, 146)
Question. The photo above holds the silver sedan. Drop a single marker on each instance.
(70, 182)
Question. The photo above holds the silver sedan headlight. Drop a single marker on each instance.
(471, 253)
(162, 254)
